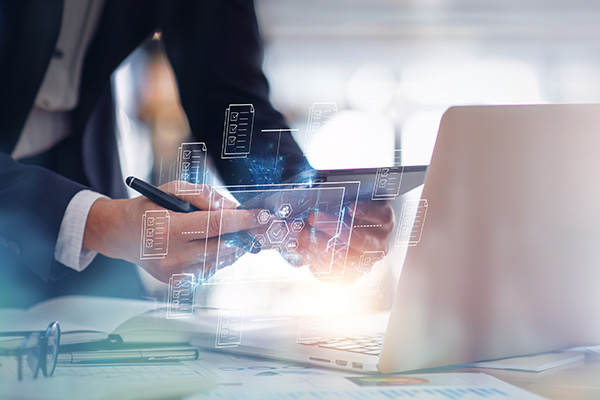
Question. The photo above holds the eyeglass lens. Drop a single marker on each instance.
(52, 342)
(39, 351)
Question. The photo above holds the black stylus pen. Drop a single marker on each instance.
(241, 239)
(159, 197)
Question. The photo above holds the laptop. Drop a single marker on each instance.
(508, 261)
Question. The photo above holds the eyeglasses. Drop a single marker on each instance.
(37, 352)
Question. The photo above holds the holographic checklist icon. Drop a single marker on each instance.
(155, 234)
(191, 167)
(237, 132)
(229, 328)
(320, 115)
(180, 303)
(412, 220)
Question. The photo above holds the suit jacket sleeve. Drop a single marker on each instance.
(32, 203)
(216, 52)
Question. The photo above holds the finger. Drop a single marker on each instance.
(316, 247)
(340, 269)
(210, 199)
(314, 260)
(296, 259)
(316, 254)
(373, 212)
(314, 240)
(211, 249)
(191, 257)
(205, 224)
(199, 255)
(312, 253)
(365, 237)
(203, 197)
(324, 222)
(211, 267)
(372, 229)
(369, 238)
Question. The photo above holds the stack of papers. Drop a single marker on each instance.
(535, 363)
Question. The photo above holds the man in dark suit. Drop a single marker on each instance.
(215, 50)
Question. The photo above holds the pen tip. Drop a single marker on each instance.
(129, 180)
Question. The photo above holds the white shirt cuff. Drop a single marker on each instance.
(68, 250)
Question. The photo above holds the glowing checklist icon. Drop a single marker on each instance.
(320, 115)
(309, 329)
(389, 179)
(191, 167)
(180, 303)
(229, 328)
(371, 276)
(237, 133)
(155, 234)
(412, 220)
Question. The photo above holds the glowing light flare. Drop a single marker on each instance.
(356, 139)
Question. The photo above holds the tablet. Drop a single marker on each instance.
(385, 183)
(306, 192)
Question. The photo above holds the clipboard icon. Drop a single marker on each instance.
(237, 131)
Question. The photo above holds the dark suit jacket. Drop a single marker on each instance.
(215, 50)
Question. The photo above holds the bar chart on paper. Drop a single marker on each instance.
(446, 386)
(448, 393)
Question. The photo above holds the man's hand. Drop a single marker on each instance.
(113, 228)
(372, 227)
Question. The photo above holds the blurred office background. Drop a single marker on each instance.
(393, 67)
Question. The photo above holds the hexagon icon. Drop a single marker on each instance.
(263, 216)
(259, 240)
(297, 225)
(284, 210)
(278, 231)
(292, 245)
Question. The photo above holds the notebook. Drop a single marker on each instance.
(89, 319)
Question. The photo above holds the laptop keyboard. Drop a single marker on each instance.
(370, 345)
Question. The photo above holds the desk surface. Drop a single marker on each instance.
(580, 380)
(575, 381)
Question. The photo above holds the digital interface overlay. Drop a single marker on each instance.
(282, 212)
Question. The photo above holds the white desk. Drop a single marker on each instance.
(575, 381)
